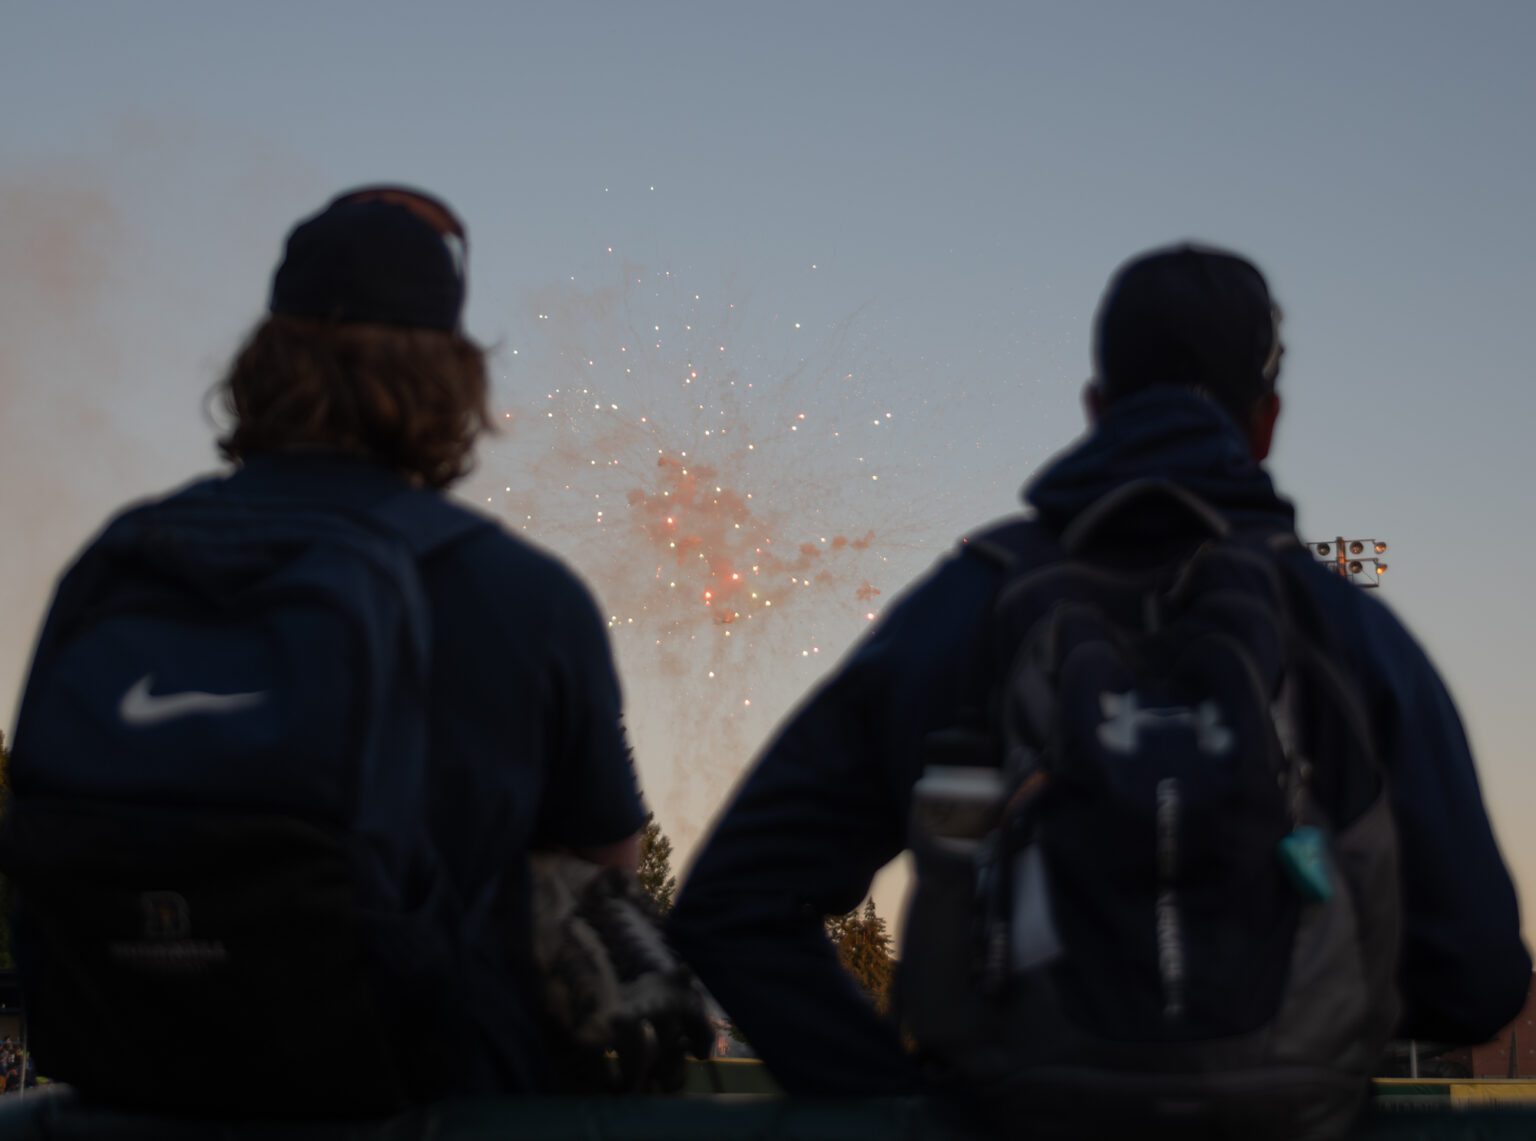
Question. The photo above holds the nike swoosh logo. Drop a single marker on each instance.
(141, 709)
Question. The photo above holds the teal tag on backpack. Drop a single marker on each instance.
(1304, 856)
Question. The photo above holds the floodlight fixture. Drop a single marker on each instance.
(1363, 572)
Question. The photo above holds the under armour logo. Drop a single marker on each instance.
(1120, 732)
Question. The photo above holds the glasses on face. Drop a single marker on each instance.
(1271, 367)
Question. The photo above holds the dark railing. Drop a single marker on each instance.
(1401, 1111)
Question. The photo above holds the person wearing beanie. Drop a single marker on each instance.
(315, 643)
(910, 739)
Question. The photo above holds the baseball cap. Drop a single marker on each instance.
(387, 255)
(1192, 316)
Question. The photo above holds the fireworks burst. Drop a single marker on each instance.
(718, 481)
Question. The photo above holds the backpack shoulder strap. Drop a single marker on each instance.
(1317, 652)
(1008, 549)
(1013, 545)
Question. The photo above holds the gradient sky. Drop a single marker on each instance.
(962, 178)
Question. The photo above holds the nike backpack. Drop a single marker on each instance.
(1156, 875)
(225, 894)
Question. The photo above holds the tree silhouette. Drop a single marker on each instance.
(864, 949)
(655, 874)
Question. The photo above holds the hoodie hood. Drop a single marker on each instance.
(1166, 433)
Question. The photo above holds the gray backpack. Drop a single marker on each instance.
(1156, 879)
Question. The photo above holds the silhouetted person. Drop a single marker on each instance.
(1187, 355)
(292, 732)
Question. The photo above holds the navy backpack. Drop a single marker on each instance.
(225, 895)
(1156, 886)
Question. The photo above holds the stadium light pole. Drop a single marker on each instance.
(1358, 561)
(1354, 560)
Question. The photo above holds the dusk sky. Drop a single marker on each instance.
(844, 255)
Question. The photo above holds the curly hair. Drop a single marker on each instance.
(412, 399)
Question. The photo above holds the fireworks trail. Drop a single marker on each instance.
(717, 478)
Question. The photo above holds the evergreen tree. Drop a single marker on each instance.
(656, 878)
(864, 949)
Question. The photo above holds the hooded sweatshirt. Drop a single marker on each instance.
(827, 804)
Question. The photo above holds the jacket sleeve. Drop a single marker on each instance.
(591, 793)
(822, 810)
(1464, 971)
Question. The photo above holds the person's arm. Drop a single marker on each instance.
(1464, 972)
(591, 804)
(819, 814)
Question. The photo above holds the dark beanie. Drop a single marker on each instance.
(385, 255)
(1190, 316)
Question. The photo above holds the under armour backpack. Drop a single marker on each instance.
(1156, 884)
(225, 893)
